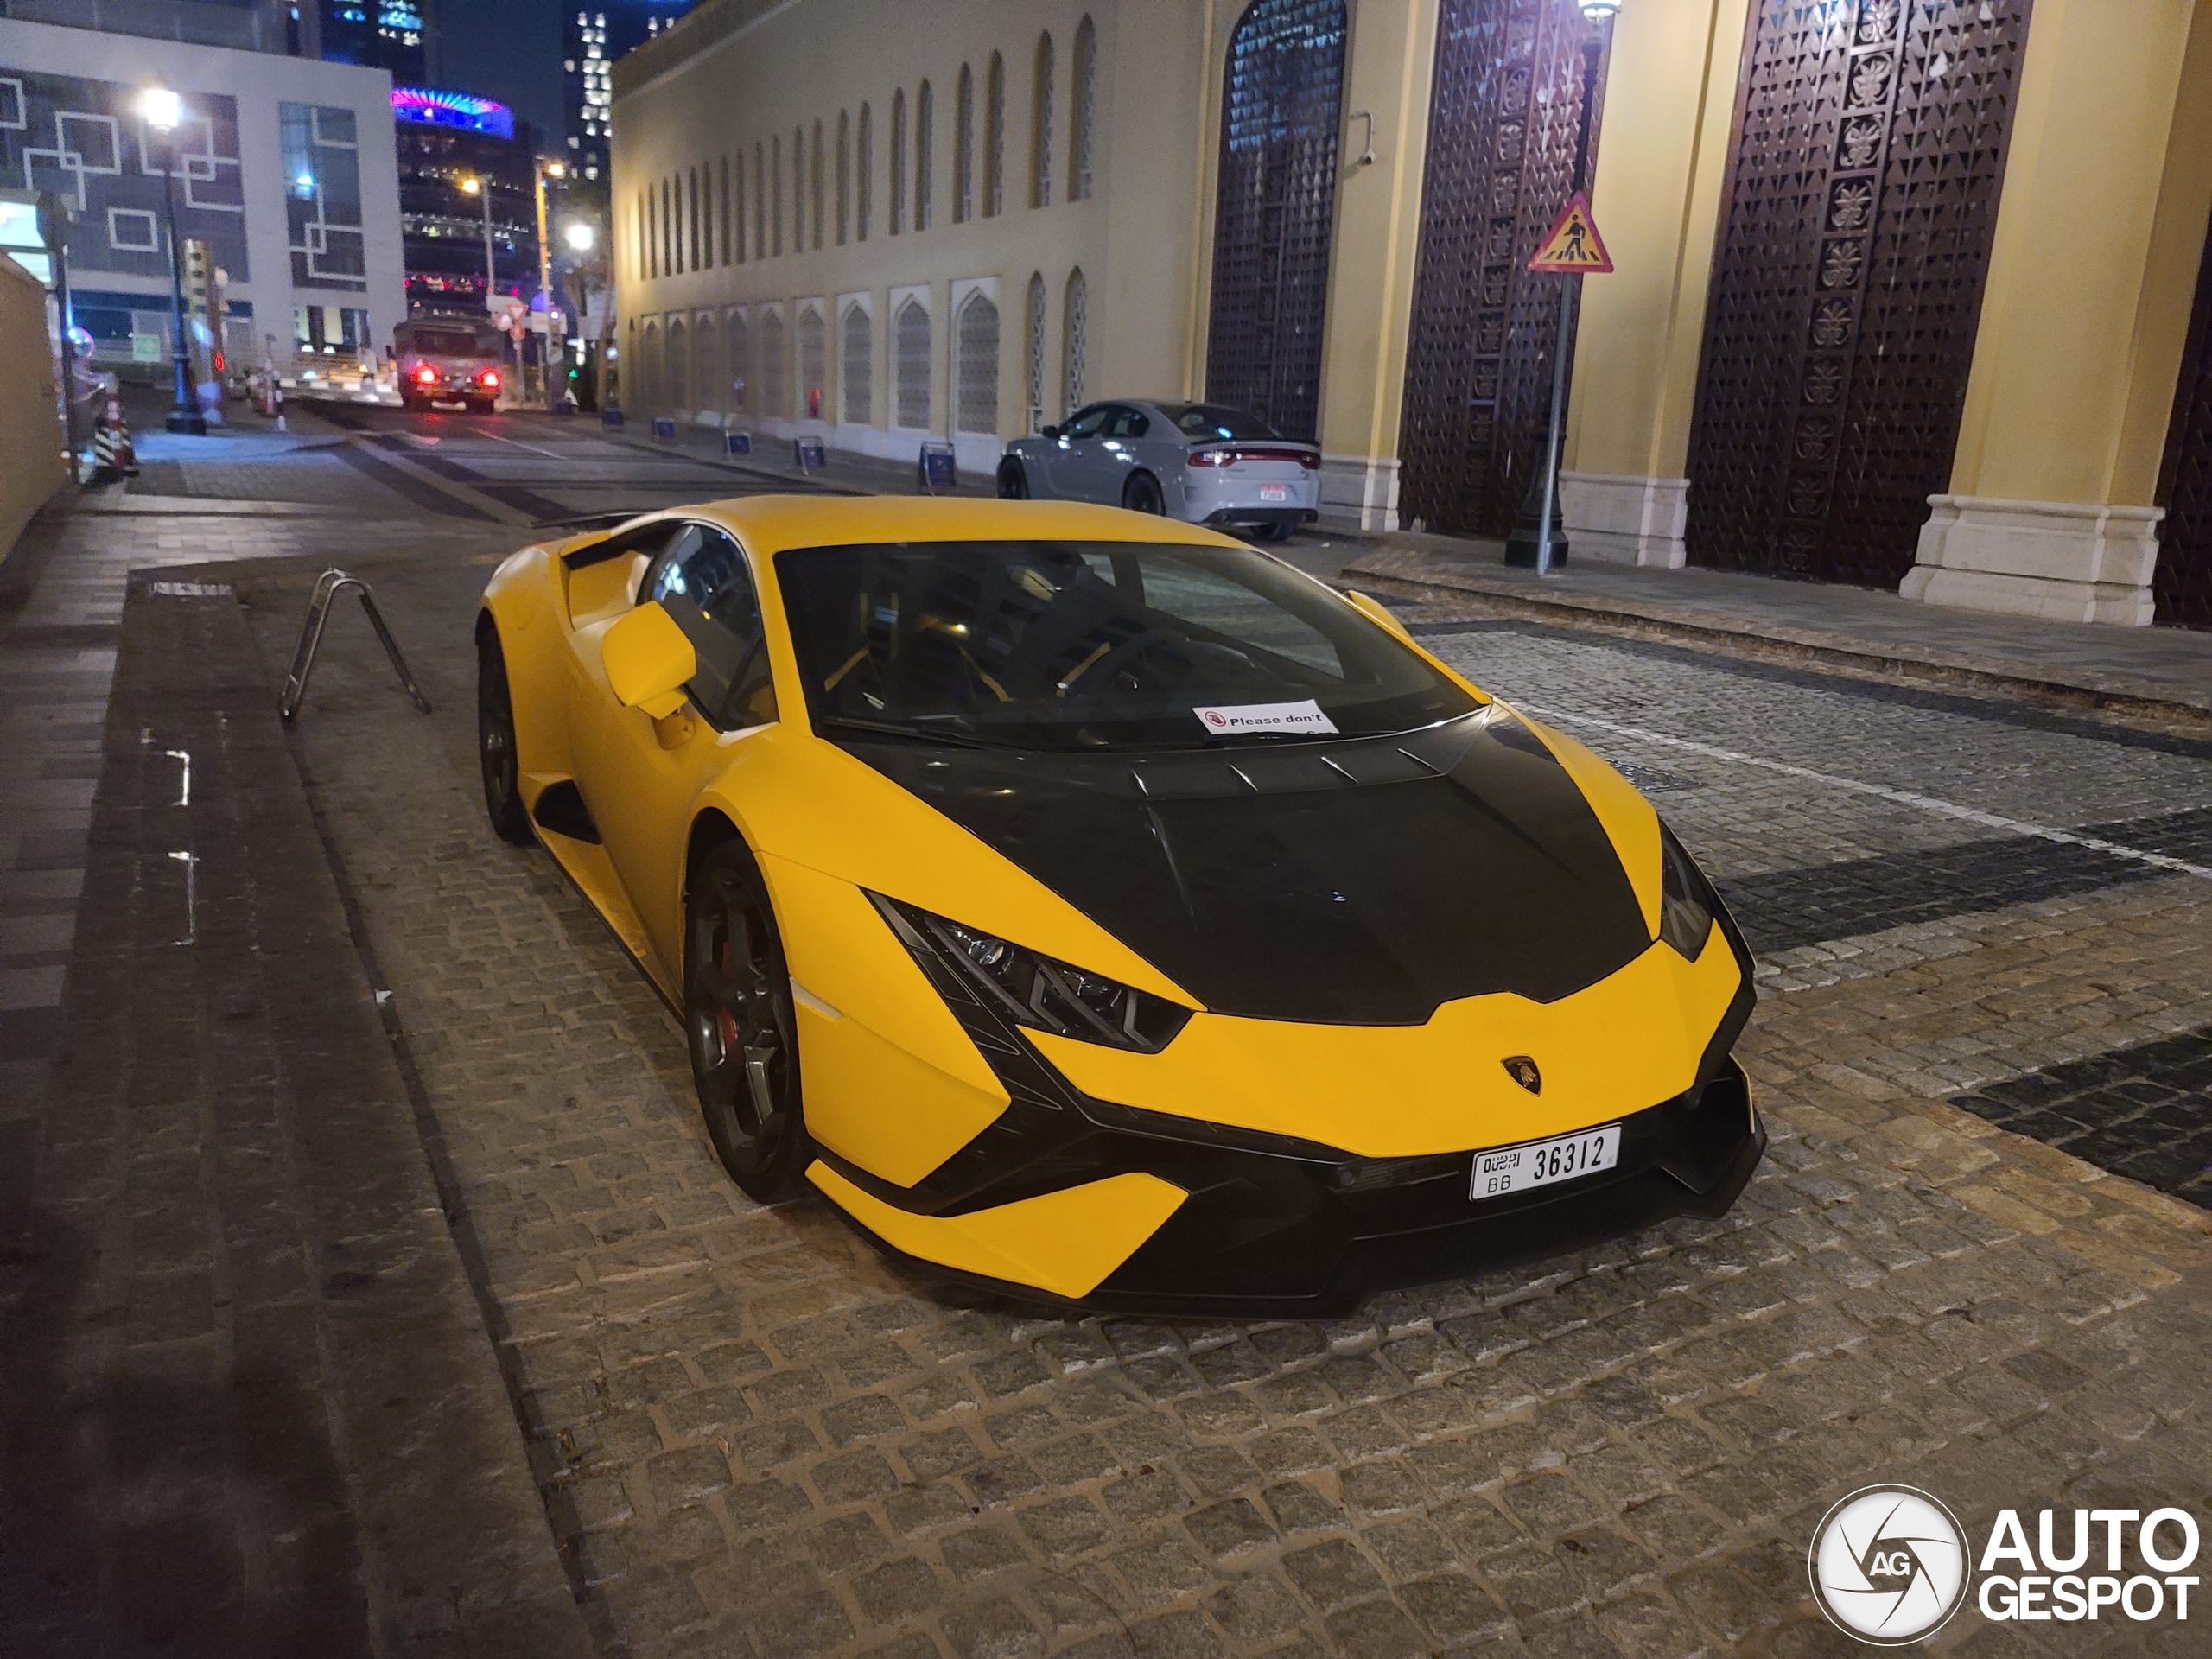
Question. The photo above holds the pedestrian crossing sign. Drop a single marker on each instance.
(1572, 245)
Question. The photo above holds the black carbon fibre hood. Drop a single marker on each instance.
(1358, 882)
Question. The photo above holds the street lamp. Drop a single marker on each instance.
(471, 186)
(578, 236)
(541, 170)
(161, 109)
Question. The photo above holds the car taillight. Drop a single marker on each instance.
(426, 376)
(489, 379)
(1307, 458)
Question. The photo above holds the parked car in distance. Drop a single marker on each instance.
(1204, 463)
(450, 360)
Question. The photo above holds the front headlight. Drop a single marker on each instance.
(1685, 898)
(1036, 991)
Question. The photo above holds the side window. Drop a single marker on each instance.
(704, 582)
(1086, 423)
(1127, 424)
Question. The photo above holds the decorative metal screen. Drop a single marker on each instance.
(739, 346)
(679, 367)
(2183, 587)
(979, 364)
(772, 401)
(813, 363)
(1281, 98)
(1076, 342)
(1033, 382)
(1502, 128)
(859, 366)
(910, 342)
(707, 346)
(1864, 177)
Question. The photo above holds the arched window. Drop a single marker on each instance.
(1076, 315)
(740, 370)
(648, 242)
(813, 363)
(978, 410)
(867, 170)
(995, 138)
(648, 389)
(741, 221)
(816, 181)
(687, 247)
(1040, 127)
(1084, 95)
(679, 369)
(1032, 384)
(964, 149)
(773, 404)
(776, 193)
(798, 190)
(725, 217)
(897, 160)
(707, 383)
(759, 202)
(859, 366)
(844, 176)
(910, 333)
(665, 242)
(925, 125)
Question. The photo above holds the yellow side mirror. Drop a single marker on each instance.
(649, 661)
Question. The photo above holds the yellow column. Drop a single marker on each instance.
(2092, 269)
(1390, 58)
(1663, 158)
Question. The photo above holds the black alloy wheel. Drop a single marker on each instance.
(1014, 482)
(738, 1017)
(1142, 495)
(1277, 531)
(495, 742)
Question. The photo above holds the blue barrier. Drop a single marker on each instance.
(612, 417)
(741, 443)
(938, 469)
(809, 454)
(664, 426)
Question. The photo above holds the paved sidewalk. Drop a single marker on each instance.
(2162, 673)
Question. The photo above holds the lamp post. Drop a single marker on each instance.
(540, 171)
(581, 238)
(161, 109)
(481, 189)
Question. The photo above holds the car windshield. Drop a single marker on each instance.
(1209, 422)
(1093, 646)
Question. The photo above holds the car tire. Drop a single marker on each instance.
(1013, 480)
(741, 1027)
(495, 742)
(1142, 495)
(1278, 531)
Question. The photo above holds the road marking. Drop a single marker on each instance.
(498, 510)
(1904, 797)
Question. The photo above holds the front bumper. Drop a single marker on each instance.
(1078, 1201)
(1266, 1233)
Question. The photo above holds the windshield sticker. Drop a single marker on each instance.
(1228, 719)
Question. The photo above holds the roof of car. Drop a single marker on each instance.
(768, 524)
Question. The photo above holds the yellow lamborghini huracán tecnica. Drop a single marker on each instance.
(1103, 911)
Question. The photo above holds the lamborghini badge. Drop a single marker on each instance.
(1522, 1071)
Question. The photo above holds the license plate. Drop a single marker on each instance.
(1275, 493)
(1541, 1163)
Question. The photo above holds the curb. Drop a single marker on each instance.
(1837, 651)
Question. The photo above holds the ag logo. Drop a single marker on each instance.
(1888, 1565)
(1522, 1071)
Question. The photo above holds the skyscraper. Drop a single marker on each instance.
(400, 35)
(593, 36)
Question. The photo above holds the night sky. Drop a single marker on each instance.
(509, 50)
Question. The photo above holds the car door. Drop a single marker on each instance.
(1119, 444)
(639, 777)
(1068, 461)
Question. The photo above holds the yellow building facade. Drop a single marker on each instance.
(1903, 294)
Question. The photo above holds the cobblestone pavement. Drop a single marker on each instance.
(755, 1436)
